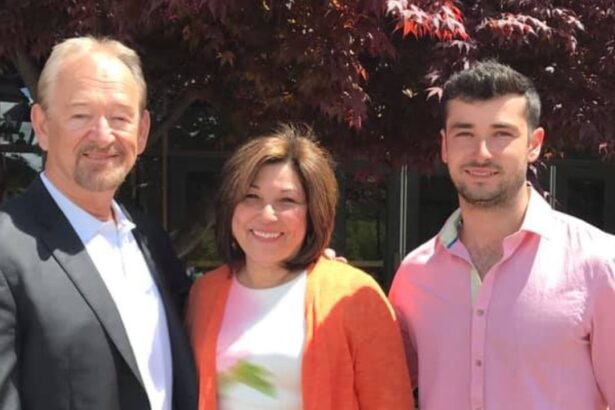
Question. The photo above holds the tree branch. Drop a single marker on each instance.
(27, 69)
(179, 107)
(200, 219)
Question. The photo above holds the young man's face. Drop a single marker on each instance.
(487, 146)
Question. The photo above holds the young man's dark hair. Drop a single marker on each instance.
(489, 79)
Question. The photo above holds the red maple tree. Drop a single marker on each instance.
(366, 74)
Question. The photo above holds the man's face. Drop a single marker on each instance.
(487, 146)
(92, 128)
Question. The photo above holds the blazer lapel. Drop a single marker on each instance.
(152, 265)
(183, 366)
(70, 253)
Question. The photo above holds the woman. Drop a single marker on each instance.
(278, 326)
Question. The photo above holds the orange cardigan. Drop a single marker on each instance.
(353, 356)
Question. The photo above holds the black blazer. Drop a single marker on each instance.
(62, 342)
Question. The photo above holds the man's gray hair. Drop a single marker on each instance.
(84, 45)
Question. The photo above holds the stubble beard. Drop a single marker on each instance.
(104, 178)
(499, 197)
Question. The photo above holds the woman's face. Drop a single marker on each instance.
(269, 223)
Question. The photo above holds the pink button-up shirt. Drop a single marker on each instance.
(538, 333)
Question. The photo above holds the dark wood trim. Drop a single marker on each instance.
(20, 148)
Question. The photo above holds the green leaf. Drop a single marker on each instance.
(251, 375)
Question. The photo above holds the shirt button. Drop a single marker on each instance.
(478, 363)
(480, 312)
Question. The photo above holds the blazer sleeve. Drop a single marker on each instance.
(381, 375)
(9, 384)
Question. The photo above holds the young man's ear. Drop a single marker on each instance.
(443, 146)
(535, 144)
(38, 118)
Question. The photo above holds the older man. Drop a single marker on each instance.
(89, 294)
(512, 305)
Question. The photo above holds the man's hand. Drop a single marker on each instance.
(331, 255)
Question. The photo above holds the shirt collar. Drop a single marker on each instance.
(538, 216)
(450, 231)
(85, 225)
(537, 219)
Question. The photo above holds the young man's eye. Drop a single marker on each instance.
(463, 135)
(503, 134)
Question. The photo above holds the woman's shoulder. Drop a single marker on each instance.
(205, 293)
(343, 277)
(342, 291)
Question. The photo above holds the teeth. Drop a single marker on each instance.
(266, 235)
(99, 156)
(482, 173)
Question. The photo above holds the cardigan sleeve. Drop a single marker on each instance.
(381, 375)
(204, 314)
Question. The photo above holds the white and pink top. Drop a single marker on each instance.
(260, 347)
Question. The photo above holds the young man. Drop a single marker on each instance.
(512, 304)
(89, 294)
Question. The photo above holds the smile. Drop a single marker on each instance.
(481, 172)
(100, 157)
(266, 235)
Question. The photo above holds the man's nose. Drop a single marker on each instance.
(482, 148)
(101, 131)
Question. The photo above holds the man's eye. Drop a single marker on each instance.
(503, 134)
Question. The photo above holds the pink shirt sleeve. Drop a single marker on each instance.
(602, 316)
(395, 293)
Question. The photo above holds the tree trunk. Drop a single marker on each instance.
(197, 223)
(27, 69)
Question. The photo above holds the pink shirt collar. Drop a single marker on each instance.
(538, 219)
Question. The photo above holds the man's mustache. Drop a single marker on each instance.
(93, 149)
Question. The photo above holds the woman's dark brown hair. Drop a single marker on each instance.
(314, 167)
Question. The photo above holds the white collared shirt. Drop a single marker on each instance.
(122, 267)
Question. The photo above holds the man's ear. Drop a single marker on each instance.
(38, 118)
(144, 128)
(535, 144)
(443, 146)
